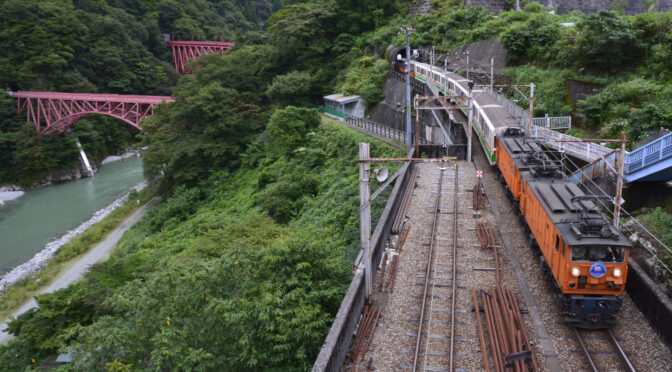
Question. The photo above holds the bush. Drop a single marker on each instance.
(604, 42)
(365, 77)
(287, 129)
(659, 222)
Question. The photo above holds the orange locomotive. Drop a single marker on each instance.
(580, 249)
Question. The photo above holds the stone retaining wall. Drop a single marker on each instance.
(650, 300)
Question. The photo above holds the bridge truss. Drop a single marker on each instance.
(184, 51)
(54, 113)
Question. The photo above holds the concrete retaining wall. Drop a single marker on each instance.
(650, 300)
(335, 347)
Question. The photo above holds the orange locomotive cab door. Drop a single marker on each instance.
(556, 258)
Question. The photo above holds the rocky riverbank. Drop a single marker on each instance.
(10, 193)
(40, 259)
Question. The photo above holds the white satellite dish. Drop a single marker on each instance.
(381, 174)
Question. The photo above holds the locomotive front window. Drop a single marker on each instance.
(594, 253)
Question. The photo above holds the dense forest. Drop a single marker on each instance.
(244, 263)
(97, 46)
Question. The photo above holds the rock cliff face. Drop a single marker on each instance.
(586, 6)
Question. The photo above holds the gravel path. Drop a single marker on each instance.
(98, 253)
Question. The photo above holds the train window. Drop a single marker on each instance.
(557, 243)
(564, 246)
(594, 253)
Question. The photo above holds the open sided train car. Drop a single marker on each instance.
(489, 118)
(580, 249)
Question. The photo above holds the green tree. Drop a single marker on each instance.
(290, 88)
(287, 129)
(206, 130)
(605, 42)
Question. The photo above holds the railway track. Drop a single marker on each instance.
(433, 286)
(611, 338)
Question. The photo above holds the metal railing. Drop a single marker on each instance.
(606, 164)
(649, 154)
(587, 151)
(553, 122)
(379, 129)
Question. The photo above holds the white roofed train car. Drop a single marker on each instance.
(489, 117)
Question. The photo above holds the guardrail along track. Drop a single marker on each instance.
(607, 334)
(431, 285)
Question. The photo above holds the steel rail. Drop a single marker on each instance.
(585, 350)
(454, 285)
(620, 350)
(437, 207)
(614, 342)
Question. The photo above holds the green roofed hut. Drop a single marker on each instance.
(345, 105)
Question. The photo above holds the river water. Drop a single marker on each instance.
(41, 215)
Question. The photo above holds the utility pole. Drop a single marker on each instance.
(431, 63)
(467, 52)
(471, 114)
(365, 212)
(417, 128)
(492, 72)
(619, 182)
(517, 5)
(407, 32)
(529, 126)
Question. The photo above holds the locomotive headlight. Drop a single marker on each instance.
(576, 272)
(617, 273)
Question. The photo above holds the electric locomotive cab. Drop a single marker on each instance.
(581, 249)
(595, 269)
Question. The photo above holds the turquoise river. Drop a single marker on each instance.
(29, 223)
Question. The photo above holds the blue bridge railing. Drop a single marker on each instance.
(649, 154)
(636, 162)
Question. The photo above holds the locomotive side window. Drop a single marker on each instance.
(557, 243)
(598, 253)
(564, 246)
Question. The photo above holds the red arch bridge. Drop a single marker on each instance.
(54, 113)
(183, 51)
